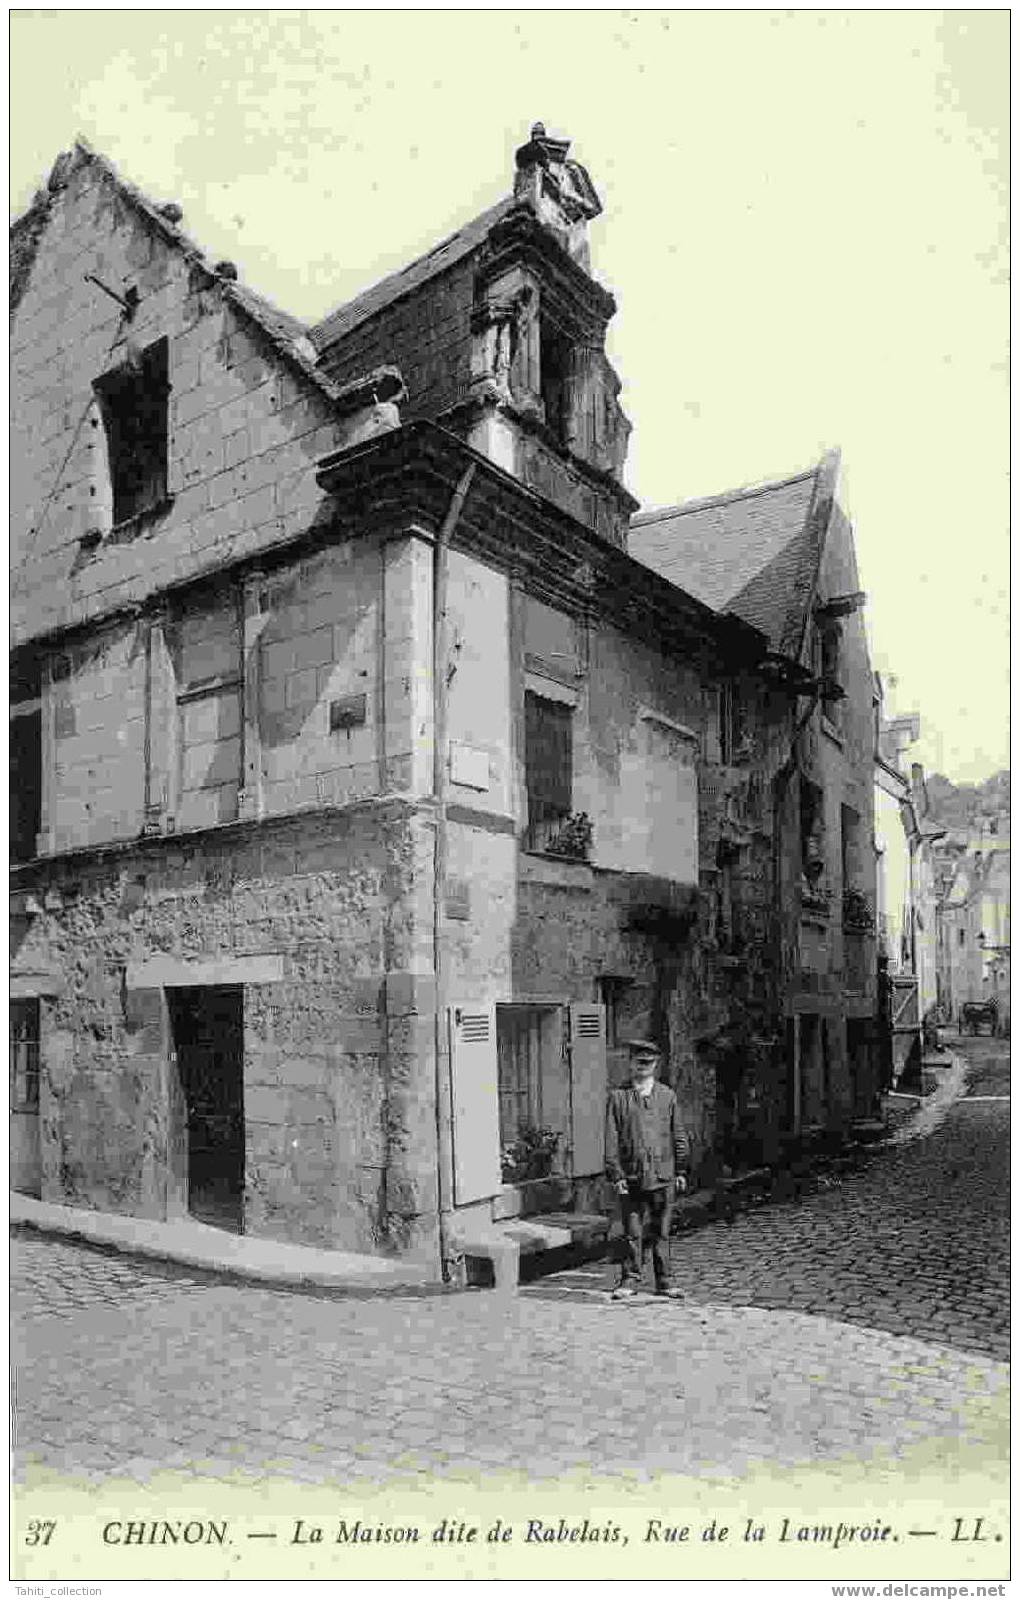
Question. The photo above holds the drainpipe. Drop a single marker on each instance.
(440, 658)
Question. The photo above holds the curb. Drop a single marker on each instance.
(128, 1237)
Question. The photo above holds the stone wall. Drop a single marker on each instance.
(97, 725)
(338, 1087)
(320, 643)
(246, 427)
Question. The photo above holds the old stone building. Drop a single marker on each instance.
(793, 882)
(369, 788)
(907, 906)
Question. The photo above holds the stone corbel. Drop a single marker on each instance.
(369, 406)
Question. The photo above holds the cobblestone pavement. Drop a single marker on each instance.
(124, 1370)
(916, 1243)
(987, 1064)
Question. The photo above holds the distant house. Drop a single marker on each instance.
(906, 842)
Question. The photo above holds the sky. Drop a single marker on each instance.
(805, 229)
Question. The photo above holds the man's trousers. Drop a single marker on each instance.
(647, 1214)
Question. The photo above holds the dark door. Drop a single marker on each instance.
(207, 1026)
(26, 1164)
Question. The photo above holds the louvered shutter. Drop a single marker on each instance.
(475, 1102)
(588, 1088)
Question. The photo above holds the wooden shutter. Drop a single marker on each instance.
(475, 1102)
(588, 1088)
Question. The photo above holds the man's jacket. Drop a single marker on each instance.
(645, 1141)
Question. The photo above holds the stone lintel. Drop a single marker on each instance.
(167, 972)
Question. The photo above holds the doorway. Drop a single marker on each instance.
(208, 1038)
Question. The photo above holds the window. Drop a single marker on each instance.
(812, 849)
(25, 762)
(612, 994)
(134, 402)
(829, 671)
(849, 835)
(534, 1091)
(549, 760)
(961, 937)
(555, 364)
(733, 738)
(24, 1029)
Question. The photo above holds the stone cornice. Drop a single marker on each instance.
(406, 478)
(519, 238)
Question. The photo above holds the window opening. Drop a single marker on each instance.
(811, 838)
(24, 1040)
(534, 1097)
(850, 826)
(134, 400)
(554, 359)
(548, 760)
(25, 754)
(829, 653)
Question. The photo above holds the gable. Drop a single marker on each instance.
(247, 415)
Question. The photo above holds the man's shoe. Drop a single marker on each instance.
(623, 1291)
(669, 1291)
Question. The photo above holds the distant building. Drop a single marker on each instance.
(974, 950)
(906, 840)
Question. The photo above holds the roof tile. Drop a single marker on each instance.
(345, 318)
(753, 552)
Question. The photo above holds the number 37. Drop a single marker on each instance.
(39, 1532)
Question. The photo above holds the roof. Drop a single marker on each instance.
(442, 256)
(754, 551)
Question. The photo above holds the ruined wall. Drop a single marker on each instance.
(339, 1104)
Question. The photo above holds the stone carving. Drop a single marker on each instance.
(501, 326)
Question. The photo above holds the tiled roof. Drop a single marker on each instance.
(443, 255)
(754, 552)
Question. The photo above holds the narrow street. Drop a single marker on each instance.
(867, 1317)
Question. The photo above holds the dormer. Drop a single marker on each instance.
(500, 331)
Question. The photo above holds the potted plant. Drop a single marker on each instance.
(531, 1155)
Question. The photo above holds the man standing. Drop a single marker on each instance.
(647, 1153)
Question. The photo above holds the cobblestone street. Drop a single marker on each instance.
(866, 1318)
(917, 1243)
